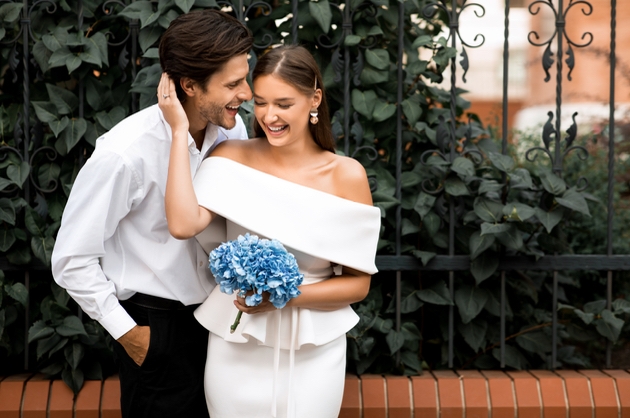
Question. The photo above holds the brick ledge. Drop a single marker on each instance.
(440, 394)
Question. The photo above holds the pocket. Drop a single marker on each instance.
(152, 347)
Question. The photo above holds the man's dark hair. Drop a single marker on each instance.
(200, 43)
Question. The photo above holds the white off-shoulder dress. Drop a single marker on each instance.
(290, 362)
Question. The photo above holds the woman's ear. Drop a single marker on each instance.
(317, 98)
(188, 85)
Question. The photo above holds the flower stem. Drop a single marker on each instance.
(236, 322)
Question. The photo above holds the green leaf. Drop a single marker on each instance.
(410, 331)
(552, 183)
(383, 111)
(39, 330)
(432, 223)
(488, 210)
(74, 354)
(73, 133)
(60, 57)
(513, 357)
(371, 76)
(42, 248)
(409, 227)
(412, 111)
(518, 211)
(511, 238)
(504, 163)
(46, 345)
(421, 40)
(455, 187)
(395, 341)
(17, 292)
(410, 179)
(57, 39)
(7, 211)
(59, 125)
(109, 119)
(438, 294)
(609, 325)
(595, 307)
(20, 255)
(520, 179)
(586, 317)
(484, 266)
(74, 379)
(410, 303)
(549, 219)
(352, 40)
(148, 36)
(185, 5)
(33, 222)
(377, 58)
(382, 325)
(424, 203)
(470, 300)
(488, 228)
(142, 10)
(621, 306)
(474, 333)
(320, 11)
(45, 111)
(535, 342)
(573, 199)
(479, 243)
(424, 256)
(10, 12)
(71, 326)
(7, 239)
(64, 100)
(73, 61)
(19, 173)
(363, 102)
(490, 186)
(463, 166)
(48, 173)
(98, 43)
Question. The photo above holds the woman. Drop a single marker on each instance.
(286, 184)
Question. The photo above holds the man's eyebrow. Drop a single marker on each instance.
(234, 81)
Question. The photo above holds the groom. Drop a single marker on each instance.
(114, 254)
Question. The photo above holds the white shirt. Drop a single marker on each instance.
(114, 239)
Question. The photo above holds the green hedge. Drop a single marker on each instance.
(91, 63)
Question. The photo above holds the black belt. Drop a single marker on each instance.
(154, 302)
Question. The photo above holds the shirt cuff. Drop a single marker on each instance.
(118, 322)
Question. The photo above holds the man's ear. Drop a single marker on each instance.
(188, 85)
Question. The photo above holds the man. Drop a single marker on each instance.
(114, 254)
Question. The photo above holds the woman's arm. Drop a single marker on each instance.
(184, 215)
(352, 285)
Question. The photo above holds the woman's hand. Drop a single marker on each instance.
(170, 105)
(264, 306)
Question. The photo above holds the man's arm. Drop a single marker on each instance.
(101, 196)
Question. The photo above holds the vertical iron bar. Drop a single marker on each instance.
(347, 30)
(560, 24)
(611, 160)
(504, 140)
(294, 21)
(133, 26)
(503, 307)
(453, 24)
(27, 142)
(554, 321)
(401, 34)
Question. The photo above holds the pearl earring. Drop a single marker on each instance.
(314, 119)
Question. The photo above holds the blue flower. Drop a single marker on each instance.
(260, 265)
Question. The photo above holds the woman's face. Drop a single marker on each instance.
(282, 111)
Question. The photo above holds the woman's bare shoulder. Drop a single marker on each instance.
(236, 149)
(351, 180)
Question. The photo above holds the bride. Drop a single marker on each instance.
(287, 184)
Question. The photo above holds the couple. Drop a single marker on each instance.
(126, 252)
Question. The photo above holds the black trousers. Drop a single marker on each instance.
(169, 384)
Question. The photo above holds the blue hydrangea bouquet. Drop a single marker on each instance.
(259, 265)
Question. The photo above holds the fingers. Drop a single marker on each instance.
(166, 89)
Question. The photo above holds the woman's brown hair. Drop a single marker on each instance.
(297, 67)
(200, 43)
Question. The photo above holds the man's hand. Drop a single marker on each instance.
(136, 343)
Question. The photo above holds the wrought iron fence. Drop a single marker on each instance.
(30, 152)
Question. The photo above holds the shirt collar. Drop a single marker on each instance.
(210, 138)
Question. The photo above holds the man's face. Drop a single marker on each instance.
(224, 93)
